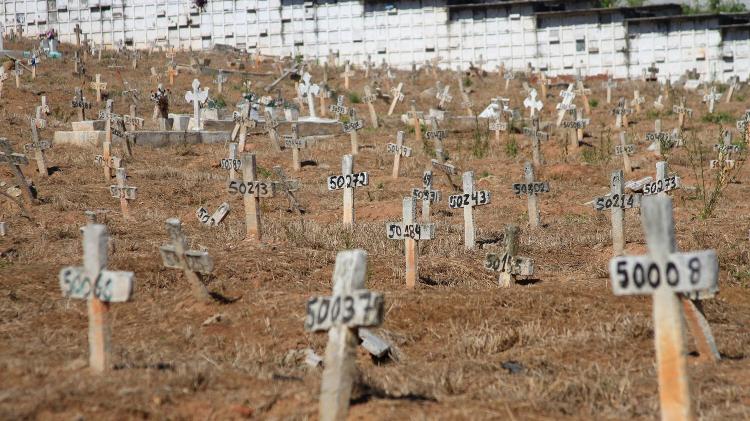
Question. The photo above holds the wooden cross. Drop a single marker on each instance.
(509, 264)
(251, 190)
(220, 79)
(348, 180)
(466, 102)
(308, 89)
(192, 262)
(652, 71)
(296, 143)
(197, 97)
(426, 195)
(497, 125)
(438, 135)
(3, 77)
(617, 201)
(212, 220)
(14, 161)
(711, 97)
(733, 84)
(79, 102)
(288, 187)
(663, 273)
(663, 183)
(347, 74)
(351, 307)
(369, 99)
(621, 114)
(536, 135)
(583, 92)
(625, 149)
(566, 104)
(98, 86)
(508, 76)
(105, 159)
(352, 127)
(609, 85)
(544, 84)
(743, 127)
(270, 124)
(468, 200)
(681, 112)
(17, 72)
(171, 73)
(99, 286)
(637, 100)
(33, 62)
(398, 96)
(242, 122)
(78, 33)
(658, 138)
(37, 145)
(415, 116)
(444, 97)
(532, 103)
(531, 188)
(411, 232)
(123, 192)
(338, 109)
(323, 94)
(577, 125)
(231, 163)
(659, 104)
(398, 150)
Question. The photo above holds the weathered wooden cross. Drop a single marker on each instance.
(3, 77)
(242, 122)
(637, 100)
(508, 76)
(397, 95)
(77, 30)
(79, 102)
(296, 143)
(415, 116)
(192, 262)
(711, 97)
(212, 220)
(347, 181)
(37, 145)
(468, 200)
(663, 183)
(369, 99)
(398, 150)
(617, 201)
(566, 104)
(347, 74)
(232, 162)
(621, 114)
(625, 149)
(14, 161)
(411, 232)
(251, 190)
(532, 103)
(353, 126)
(531, 188)
(17, 72)
(536, 136)
(99, 286)
(681, 112)
(123, 192)
(98, 86)
(444, 97)
(663, 273)
(288, 187)
(338, 109)
(351, 307)
(308, 90)
(438, 136)
(221, 78)
(609, 85)
(426, 195)
(509, 264)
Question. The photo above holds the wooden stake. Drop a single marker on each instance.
(370, 100)
(176, 256)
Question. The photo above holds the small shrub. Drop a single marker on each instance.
(593, 102)
(511, 148)
(717, 118)
(354, 98)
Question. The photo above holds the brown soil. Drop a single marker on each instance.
(582, 352)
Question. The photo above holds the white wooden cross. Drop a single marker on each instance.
(295, 143)
(444, 97)
(242, 122)
(351, 307)
(426, 195)
(353, 126)
(212, 220)
(637, 100)
(251, 190)
(439, 136)
(577, 125)
(99, 286)
(411, 232)
(219, 81)
(123, 192)
(531, 188)
(192, 262)
(734, 82)
(347, 74)
(347, 181)
(509, 264)
(621, 114)
(681, 112)
(79, 102)
(617, 201)
(309, 89)
(98, 86)
(17, 72)
(14, 161)
(508, 76)
(338, 109)
(659, 104)
(398, 150)
(369, 99)
(37, 145)
(197, 97)
(232, 162)
(532, 103)
(663, 183)
(625, 149)
(663, 273)
(397, 95)
(711, 97)
(467, 201)
(497, 125)
(566, 104)
(536, 136)
(415, 117)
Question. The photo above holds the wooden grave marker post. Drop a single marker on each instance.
(369, 99)
(221, 78)
(536, 136)
(296, 143)
(79, 102)
(171, 73)
(743, 126)
(351, 307)
(242, 122)
(663, 183)
(252, 190)
(397, 95)
(532, 103)
(308, 90)
(123, 192)
(37, 145)
(509, 264)
(197, 97)
(609, 85)
(531, 188)
(465, 100)
(17, 72)
(439, 136)
(444, 97)
(288, 187)
(625, 149)
(398, 150)
(176, 255)
(411, 232)
(353, 126)
(617, 201)
(3, 77)
(637, 100)
(98, 86)
(414, 115)
(621, 114)
(106, 160)
(681, 112)
(213, 220)
(508, 76)
(426, 195)
(338, 109)
(734, 82)
(347, 74)
(14, 162)
(663, 273)
(348, 180)
(270, 124)
(468, 200)
(583, 92)
(577, 126)
(99, 286)
(77, 30)
(711, 97)
(232, 162)
(566, 104)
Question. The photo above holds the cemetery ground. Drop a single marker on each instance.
(558, 345)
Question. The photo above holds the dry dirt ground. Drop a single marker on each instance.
(560, 346)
